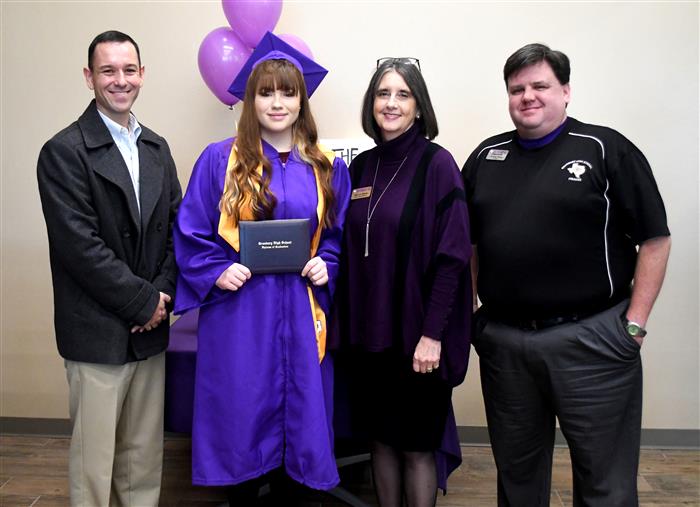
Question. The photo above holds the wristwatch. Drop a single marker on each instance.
(634, 330)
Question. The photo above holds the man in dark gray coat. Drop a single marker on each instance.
(109, 192)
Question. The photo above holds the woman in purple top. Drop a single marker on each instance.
(259, 394)
(405, 301)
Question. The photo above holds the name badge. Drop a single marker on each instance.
(497, 155)
(361, 193)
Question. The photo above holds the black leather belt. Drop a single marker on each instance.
(535, 324)
(527, 324)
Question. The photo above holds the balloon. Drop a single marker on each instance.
(221, 56)
(297, 43)
(250, 19)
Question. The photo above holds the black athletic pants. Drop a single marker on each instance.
(588, 374)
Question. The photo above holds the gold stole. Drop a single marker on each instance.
(229, 231)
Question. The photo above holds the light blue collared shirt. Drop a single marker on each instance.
(125, 139)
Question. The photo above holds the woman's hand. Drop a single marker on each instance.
(234, 277)
(316, 270)
(426, 358)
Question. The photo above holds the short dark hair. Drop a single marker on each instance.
(111, 36)
(533, 54)
(416, 84)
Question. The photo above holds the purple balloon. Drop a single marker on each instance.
(221, 56)
(250, 19)
(297, 43)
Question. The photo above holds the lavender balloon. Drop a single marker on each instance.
(221, 56)
(297, 43)
(251, 19)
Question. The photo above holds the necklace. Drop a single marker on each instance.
(370, 208)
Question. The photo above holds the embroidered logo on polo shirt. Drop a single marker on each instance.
(497, 155)
(576, 168)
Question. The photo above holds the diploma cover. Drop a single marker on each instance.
(275, 246)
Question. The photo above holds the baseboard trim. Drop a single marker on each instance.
(468, 435)
(35, 426)
(651, 438)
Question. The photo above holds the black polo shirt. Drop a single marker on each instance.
(557, 226)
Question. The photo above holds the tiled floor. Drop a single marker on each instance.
(33, 472)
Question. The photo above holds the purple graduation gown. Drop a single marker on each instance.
(259, 393)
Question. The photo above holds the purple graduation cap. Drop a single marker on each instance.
(272, 47)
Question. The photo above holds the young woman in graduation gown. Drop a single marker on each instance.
(404, 302)
(259, 396)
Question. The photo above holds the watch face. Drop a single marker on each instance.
(633, 329)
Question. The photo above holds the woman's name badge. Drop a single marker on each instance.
(361, 193)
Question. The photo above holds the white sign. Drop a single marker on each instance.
(348, 149)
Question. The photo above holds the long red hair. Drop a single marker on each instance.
(244, 185)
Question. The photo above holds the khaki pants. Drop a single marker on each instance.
(116, 451)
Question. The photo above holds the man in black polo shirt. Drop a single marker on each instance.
(571, 245)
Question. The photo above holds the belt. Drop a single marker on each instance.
(528, 324)
(535, 324)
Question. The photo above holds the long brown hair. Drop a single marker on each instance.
(244, 185)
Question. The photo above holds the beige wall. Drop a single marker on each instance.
(635, 67)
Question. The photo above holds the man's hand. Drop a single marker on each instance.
(159, 315)
(426, 358)
(316, 270)
(234, 277)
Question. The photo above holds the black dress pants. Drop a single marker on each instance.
(588, 374)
